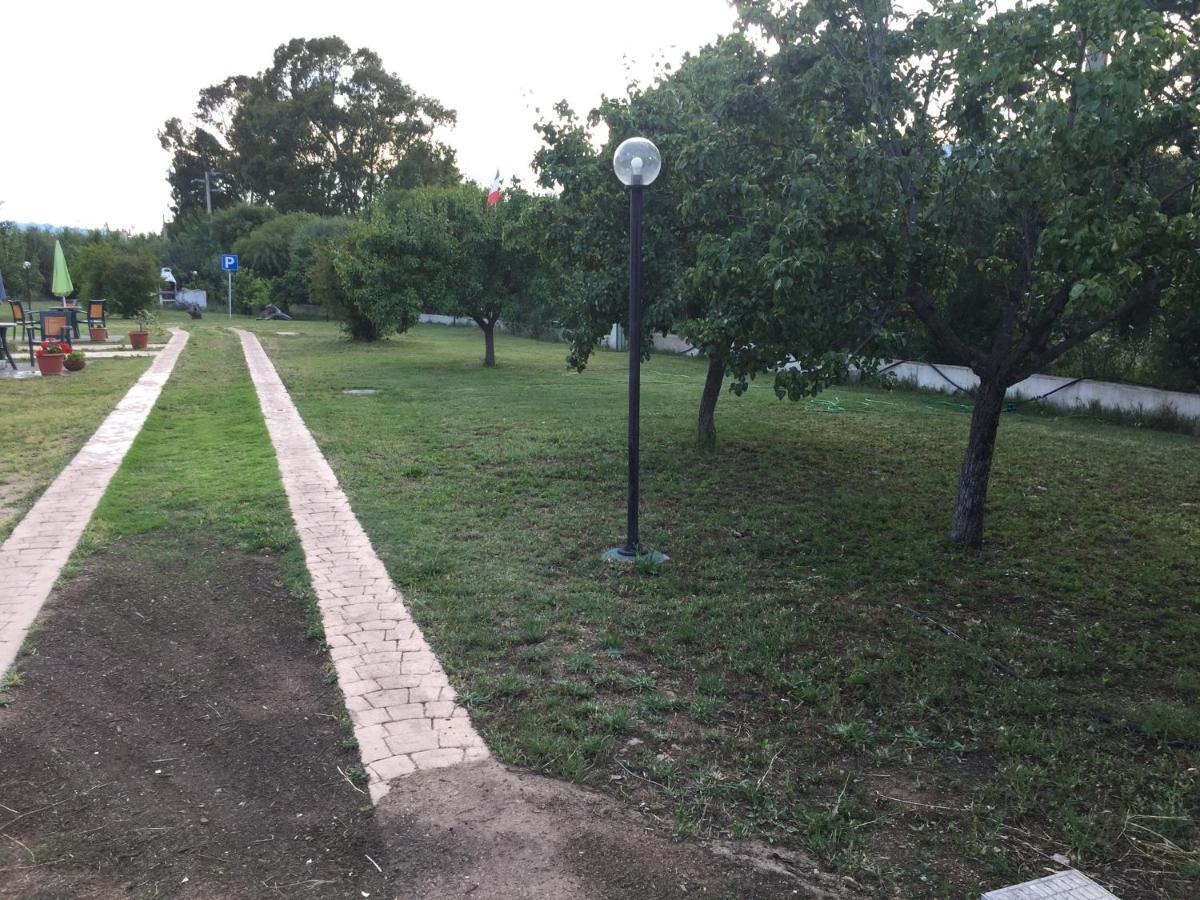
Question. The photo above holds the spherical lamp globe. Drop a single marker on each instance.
(637, 161)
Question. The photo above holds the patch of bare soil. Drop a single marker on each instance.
(175, 735)
(495, 833)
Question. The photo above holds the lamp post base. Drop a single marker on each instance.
(620, 554)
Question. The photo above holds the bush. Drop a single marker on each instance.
(131, 283)
(250, 293)
(93, 264)
(354, 280)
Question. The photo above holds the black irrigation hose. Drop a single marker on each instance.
(1009, 407)
(1061, 387)
(1171, 740)
(957, 387)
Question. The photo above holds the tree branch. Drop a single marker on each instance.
(919, 302)
(1148, 292)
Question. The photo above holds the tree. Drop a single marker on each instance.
(16, 247)
(1015, 162)
(460, 256)
(195, 153)
(294, 286)
(267, 249)
(18, 244)
(230, 225)
(195, 241)
(131, 282)
(730, 147)
(93, 265)
(191, 247)
(535, 309)
(323, 129)
(358, 280)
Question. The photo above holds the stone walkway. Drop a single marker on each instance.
(400, 700)
(40, 545)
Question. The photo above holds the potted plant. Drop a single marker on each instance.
(74, 361)
(140, 338)
(98, 333)
(50, 357)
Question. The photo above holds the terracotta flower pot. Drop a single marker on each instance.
(139, 339)
(51, 363)
(98, 333)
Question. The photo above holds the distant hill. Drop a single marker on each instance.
(59, 229)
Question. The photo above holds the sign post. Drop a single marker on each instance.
(229, 264)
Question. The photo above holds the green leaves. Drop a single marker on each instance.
(323, 129)
(732, 261)
(1019, 170)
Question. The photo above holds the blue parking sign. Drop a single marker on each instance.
(229, 262)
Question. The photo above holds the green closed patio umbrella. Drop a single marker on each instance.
(61, 283)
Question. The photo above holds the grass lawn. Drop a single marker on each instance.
(203, 464)
(46, 420)
(816, 665)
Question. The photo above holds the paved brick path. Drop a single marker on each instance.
(402, 704)
(40, 545)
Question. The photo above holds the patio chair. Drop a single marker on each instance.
(55, 325)
(73, 311)
(22, 317)
(95, 314)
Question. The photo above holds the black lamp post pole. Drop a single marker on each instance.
(28, 330)
(636, 191)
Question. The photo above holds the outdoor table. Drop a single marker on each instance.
(4, 326)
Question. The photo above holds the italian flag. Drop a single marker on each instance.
(494, 190)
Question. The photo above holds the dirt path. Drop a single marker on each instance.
(487, 831)
(176, 735)
(174, 724)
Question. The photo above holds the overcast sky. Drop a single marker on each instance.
(86, 85)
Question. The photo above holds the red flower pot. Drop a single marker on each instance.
(51, 363)
(98, 333)
(139, 339)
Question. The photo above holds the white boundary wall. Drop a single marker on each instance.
(1107, 394)
(436, 319)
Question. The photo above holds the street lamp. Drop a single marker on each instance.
(637, 163)
(27, 330)
(27, 265)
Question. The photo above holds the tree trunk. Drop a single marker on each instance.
(966, 527)
(489, 342)
(706, 433)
